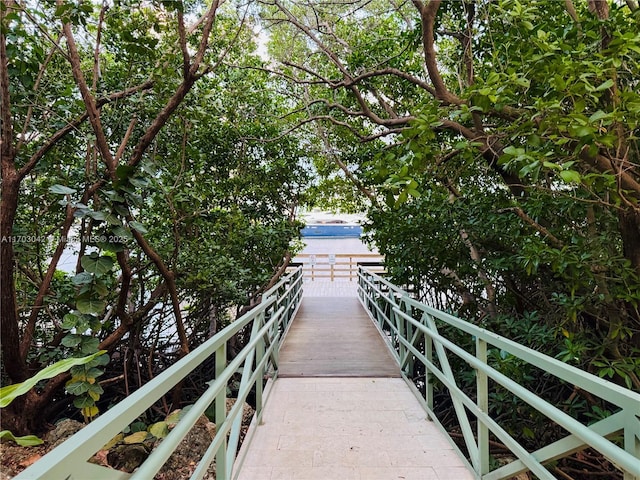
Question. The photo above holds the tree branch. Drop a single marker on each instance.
(428, 17)
(96, 52)
(327, 51)
(88, 98)
(571, 10)
(553, 240)
(204, 41)
(57, 136)
(36, 86)
(350, 176)
(182, 39)
(605, 165)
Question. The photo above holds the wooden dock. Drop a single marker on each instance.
(334, 337)
(340, 410)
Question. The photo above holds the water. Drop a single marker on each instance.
(335, 245)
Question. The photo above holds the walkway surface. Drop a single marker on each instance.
(326, 288)
(339, 410)
(334, 337)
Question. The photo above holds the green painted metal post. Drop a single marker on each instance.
(632, 442)
(428, 353)
(399, 323)
(221, 414)
(482, 391)
(409, 329)
(260, 349)
(465, 425)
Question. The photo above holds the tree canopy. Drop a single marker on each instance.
(131, 148)
(505, 170)
(494, 145)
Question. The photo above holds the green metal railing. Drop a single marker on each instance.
(268, 322)
(411, 331)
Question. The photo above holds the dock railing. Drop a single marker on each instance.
(337, 266)
(268, 322)
(411, 331)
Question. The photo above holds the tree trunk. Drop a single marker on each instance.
(14, 364)
(630, 232)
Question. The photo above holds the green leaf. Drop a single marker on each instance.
(570, 176)
(599, 115)
(605, 85)
(511, 150)
(95, 390)
(77, 387)
(61, 190)
(26, 441)
(89, 344)
(95, 264)
(82, 278)
(121, 209)
(138, 427)
(113, 220)
(113, 196)
(159, 430)
(72, 340)
(100, 216)
(138, 226)
(69, 321)
(553, 166)
(101, 289)
(10, 392)
(110, 247)
(122, 233)
(102, 360)
(124, 171)
(87, 304)
(94, 373)
(83, 401)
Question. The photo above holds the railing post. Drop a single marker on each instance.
(482, 391)
(399, 323)
(632, 442)
(407, 328)
(350, 268)
(428, 353)
(260, 379)
(221, 413)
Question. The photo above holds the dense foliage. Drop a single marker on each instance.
(505, 179)
(140, 208)
(506, 174)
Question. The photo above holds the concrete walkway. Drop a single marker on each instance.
(339, 410)
(348, 428)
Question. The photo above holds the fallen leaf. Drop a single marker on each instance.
(31, 460)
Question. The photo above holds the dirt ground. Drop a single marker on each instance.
(126, 457)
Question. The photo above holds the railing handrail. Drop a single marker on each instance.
(336, 265)
(402, 322)
(278, 306)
